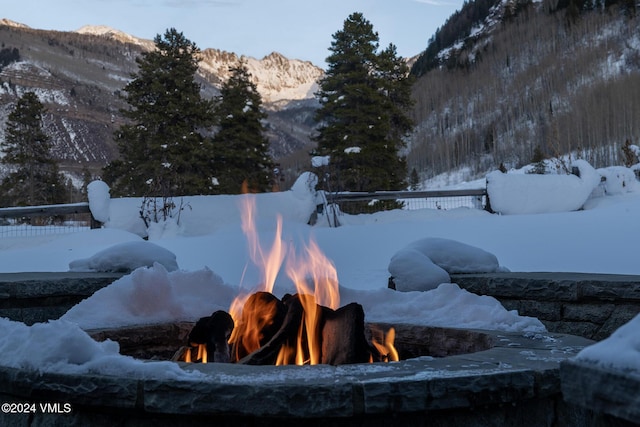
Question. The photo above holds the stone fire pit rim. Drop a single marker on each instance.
(519, 366)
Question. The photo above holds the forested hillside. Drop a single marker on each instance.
(543, 77)
(79, 77)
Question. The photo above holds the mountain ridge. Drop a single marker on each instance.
(542, 79)
(79, 76)
(277, 77)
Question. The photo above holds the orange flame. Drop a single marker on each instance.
(385, 345)
(269, 261)
(316, 281)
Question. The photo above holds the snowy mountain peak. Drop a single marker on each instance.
(112, 33)
(276, 77)
(10, 23)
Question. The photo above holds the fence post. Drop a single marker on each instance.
(95, 223)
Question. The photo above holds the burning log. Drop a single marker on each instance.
(262, 317)
(340, 336)
(213, 332)
(285, 336)
(295, 330)
(343, 337)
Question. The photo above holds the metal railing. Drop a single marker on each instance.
(38, 220)
(48, 219)
(365, 202)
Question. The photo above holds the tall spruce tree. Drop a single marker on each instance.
(35, 179)
(242, 149)
(365, 98)
(163, 148)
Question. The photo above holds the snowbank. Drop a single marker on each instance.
(620, 351)
(62, 347)
(198, 216)
(426, 263)
(445, 306)
(518, 193)
(154, 295)
(619, 180)
(126, 257)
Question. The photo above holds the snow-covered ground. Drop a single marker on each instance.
(204, 261)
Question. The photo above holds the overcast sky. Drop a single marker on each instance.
(300, 29)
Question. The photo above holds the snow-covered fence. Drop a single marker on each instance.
(48, 219)
(411, 200)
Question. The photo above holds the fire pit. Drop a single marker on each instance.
(160, 341)
(444, 377)
(508, 378)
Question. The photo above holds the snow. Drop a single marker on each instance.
(533, 193)
(99, 198)
(211, 251)
(317, 161)
(126, 257)
(154, 295)
(62, 347)
(619, 351)
(426, 263)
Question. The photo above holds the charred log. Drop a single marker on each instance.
(214, 332)
(343, 336)
(262, 318)
(285, 336)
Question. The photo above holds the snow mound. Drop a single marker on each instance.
(62, 347)
(126, 257)
(517, 193)
(98, 194)
(619, 351)
(426, 263)
(445, 306)
(153, 295)
(619, 180)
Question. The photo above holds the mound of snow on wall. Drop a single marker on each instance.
(126, 257)
(154, 295)
(62, 347)
(513, 194)
(619, 351)
(426, 263)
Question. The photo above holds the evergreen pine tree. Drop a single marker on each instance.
(163, 149)
(35, 179)
(364, 97)
(538, 161)
(414, 180)
(240, 143)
